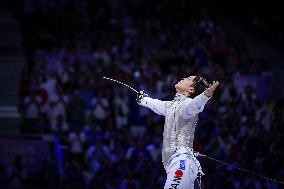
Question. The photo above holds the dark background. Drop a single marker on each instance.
(63, 126)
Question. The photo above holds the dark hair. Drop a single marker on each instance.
(199, 84)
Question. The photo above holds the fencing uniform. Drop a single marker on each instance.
(181, 115)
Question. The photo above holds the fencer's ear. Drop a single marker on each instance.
(191, 90)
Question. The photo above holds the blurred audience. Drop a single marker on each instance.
(114, 143)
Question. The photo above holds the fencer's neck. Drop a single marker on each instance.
(182, 92)
(180, 96)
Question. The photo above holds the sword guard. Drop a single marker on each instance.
(140, 96)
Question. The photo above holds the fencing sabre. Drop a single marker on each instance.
(121, 84)
(234, 166)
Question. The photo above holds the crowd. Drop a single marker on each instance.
(107, 140)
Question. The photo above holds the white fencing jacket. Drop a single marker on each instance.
(181, 115)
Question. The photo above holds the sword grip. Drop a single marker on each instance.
(140, 96)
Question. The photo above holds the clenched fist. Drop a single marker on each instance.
(210, 90)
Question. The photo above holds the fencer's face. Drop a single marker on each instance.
(185, 85)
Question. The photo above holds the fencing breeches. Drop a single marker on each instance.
(182, 170)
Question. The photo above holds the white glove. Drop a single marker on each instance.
(140, 96)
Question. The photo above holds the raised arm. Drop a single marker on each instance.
(191, 107)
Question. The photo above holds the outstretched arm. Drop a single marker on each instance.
(158, 106)
(191, 107)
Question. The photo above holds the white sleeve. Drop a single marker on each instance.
(193, 106)
(155, 105)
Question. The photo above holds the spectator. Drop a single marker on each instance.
(77, 141)
(56, 109)
(100, 107)
(32, 105)
(17, 174)
(121, 109)
(76, 110)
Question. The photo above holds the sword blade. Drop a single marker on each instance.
(121, 84)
